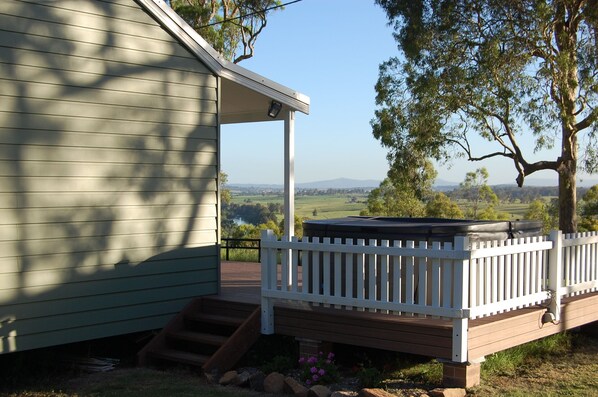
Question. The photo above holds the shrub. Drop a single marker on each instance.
(318, 370)
(279, 364)
(369, 377)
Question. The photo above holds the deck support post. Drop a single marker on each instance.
(461, 302)
(463, 375)
(268, 265)
(312, 348)
(555, 274)
(289, 190)
(289, 175)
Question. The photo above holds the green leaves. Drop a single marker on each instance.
(230, 26)
(511, 72)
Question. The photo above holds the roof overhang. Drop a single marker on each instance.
(245, 96)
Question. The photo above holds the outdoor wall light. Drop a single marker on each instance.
(274, 109)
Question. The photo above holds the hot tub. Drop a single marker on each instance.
(392, 229)
(419, 229)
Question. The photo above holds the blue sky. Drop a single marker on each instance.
(329, 50)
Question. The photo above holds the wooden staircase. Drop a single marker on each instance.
(208, 333)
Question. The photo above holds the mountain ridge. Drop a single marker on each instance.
(440, 184)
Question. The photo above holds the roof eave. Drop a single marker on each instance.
(223, 68)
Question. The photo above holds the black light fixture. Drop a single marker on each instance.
(274, 109)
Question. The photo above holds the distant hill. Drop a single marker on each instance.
(348, 183)
(443, 185)
(340, 183)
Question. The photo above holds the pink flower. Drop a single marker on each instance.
(313, 370)
(322, 372)
(315, 378)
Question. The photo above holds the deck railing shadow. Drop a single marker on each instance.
(459, 280)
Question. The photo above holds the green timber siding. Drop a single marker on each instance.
(109, 163)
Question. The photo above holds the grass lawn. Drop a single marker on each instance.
(563, 365)
(133, 382)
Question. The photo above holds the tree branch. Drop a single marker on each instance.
(587, 121)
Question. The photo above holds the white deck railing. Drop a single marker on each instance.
(458, 280)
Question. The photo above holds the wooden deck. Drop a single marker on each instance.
(240, 282)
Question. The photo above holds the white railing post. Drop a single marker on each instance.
(268, 282)
(555, 273)
(461, 301)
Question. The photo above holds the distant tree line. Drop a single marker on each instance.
(328, 192)
(475, 199)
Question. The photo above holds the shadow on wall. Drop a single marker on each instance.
(108, 155)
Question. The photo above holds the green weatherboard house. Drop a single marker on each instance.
(110, 121)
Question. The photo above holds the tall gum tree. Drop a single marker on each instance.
(230, 26)
(502, 70)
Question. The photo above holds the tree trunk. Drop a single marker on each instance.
(568, 197)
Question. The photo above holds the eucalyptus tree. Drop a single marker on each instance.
(589, 210)
(509, 72)
(230, 26)
(390, 199)
(477, 192)
(403, 193)
(441, 206)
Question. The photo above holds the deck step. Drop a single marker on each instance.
(180, 356)
(209, 334)
(198, 337)
(216, 319)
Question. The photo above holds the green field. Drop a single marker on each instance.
(340, 205)
(327, 206)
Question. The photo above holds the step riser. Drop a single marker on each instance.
(198, 332)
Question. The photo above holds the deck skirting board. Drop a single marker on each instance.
(525, 325)
(414, 335)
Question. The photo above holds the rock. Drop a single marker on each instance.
(229, 378)
(256, 381)
(209, 378)
(274, 383)
(343, 393)
(242, 379)
(448, 392)
(319, 391)
(295, 388)
(374, 393)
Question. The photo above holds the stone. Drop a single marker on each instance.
(256, 381)
(295, 388)
(274, 383)
(242, 379)
(229, 378)
(447, 392)
(319, 391)
(209, 378)
(343, 393)
(374, 393)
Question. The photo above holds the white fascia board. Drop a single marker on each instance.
(217, 63)
(258, 83)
